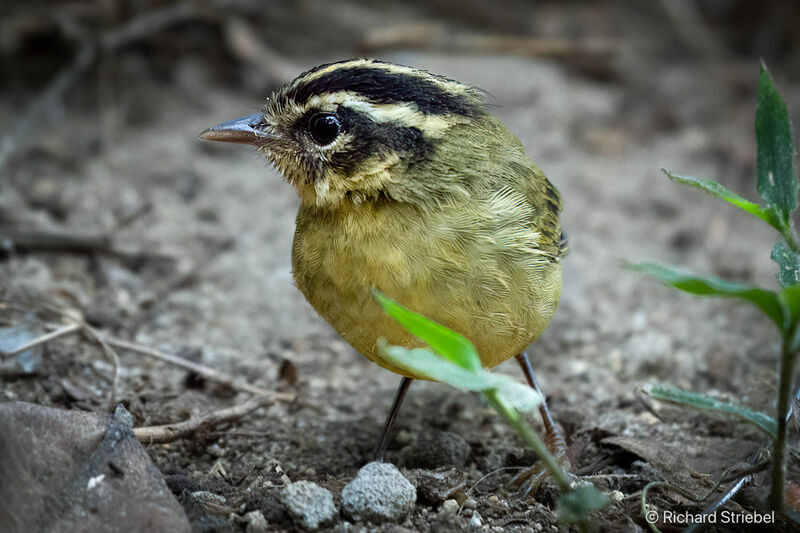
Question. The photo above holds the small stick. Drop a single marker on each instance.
(205, 371)
(171, 432)
(66, 330)
(60, 240)
(51, 239)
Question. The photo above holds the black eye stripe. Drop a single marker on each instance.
(370, 138)
(385, 87)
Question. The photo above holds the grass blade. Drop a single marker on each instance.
(766, 300)
(699, 401)
(718, 190)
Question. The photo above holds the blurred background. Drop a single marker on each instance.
(111, 207)
(120, 61)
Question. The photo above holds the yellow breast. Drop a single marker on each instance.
(478, 269)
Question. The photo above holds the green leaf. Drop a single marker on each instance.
(766, 300)
(425, 363)
(573, 507)
(788, 264)
(718, 190)
(445, 341)
(763, 422)
(777, 171)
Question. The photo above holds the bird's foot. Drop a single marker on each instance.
(530, 480)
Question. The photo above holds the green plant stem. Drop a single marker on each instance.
(533, 440)
(785, 380)
(790, 237)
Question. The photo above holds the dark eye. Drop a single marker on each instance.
(324, 127)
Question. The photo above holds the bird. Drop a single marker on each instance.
(409, 184)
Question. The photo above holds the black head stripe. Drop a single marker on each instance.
(385, 87)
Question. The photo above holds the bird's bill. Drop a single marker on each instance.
(241, 130)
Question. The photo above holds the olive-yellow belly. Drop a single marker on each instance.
(473, 278)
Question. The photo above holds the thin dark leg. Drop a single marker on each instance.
(527, 369)
(553, 435)
(380, 450)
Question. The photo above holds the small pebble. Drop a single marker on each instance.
(449, 506)
(215, 450)
(379, 493)
(402, 437)
(470, 503)
(310, 505)
(475, 521)
(256, 523)
(616, 496)
(204, 496)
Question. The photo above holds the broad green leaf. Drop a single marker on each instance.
(763, 422)
(788, 264)
(425, 363)
(775, 158)
(718, 190)
(445, 341)
(574, 507)
(764, 299)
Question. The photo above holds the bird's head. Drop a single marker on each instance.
(362, 129)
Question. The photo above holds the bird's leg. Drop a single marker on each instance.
(380, 449)
(532, 478)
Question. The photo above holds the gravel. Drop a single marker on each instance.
(379, 493)
(310, 505)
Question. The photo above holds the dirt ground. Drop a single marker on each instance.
(128, 163)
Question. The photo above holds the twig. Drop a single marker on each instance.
(59, 240)
(205, 371)
(107, 342)
(171, 432)
(66, 330)
(52, 239)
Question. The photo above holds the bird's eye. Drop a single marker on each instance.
(324, 127)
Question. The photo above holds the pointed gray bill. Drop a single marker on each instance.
(242, 130)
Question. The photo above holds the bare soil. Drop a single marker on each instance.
(136, 170)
